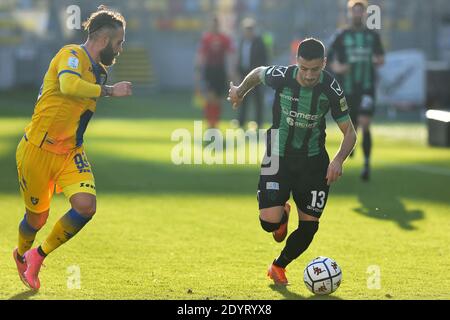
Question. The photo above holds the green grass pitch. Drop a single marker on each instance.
(192, 232)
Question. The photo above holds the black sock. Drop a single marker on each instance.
(297, 242)
(41, 252)
(20, 258)
(367, 147)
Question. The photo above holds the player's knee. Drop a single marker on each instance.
(269, 226)
(36, 220)
(85, 206)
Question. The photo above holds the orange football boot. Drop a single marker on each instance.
(278, 275)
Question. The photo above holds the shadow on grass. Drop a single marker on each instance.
(289, 295)
(391, 209)
(24, 295)
(381, 198)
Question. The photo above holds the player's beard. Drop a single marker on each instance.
(107, 55)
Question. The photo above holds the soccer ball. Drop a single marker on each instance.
(322, 276)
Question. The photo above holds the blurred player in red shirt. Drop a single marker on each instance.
(211, 70)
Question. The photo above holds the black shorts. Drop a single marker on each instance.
(216, 80)
(305, 177)
(357, 107)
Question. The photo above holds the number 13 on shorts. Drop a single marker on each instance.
(318, 199)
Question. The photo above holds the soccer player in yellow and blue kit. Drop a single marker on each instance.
(51, 155)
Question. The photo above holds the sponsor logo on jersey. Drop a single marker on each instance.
(278, 71)
(87, 185)
(272, 186)
(289, 98)
(299, 124)
(343, 104)
(34, 201)
(359, 55)
(309, 207)
(73, 62)
(336, 88)
(300, 115)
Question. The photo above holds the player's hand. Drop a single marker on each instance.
(122, 89)
(334, 171)
(233, 96)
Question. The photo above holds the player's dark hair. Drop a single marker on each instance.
(310, 49)
(104, 18)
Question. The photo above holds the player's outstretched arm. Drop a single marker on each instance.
(347, 145)
(339, 68)
(73, 85)
(237, 93)
(120, 89)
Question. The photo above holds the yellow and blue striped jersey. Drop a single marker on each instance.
(60, 119)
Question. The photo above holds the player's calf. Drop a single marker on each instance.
(28, 228)
(66, 227)
(297, 242)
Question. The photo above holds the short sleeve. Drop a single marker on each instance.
(69, 62)
(338, 102)
(275, 76)
(337, 49)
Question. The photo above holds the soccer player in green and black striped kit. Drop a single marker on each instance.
(305, 93)
(354, 55)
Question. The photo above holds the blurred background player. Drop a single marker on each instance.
(304, 95)
(211, 69)
(354, 55)
(252, 53)
(51, 153)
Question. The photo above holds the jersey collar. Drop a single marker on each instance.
(97, 68)
(90, 58)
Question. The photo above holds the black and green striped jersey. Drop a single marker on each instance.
(357, 48)
(299, 112)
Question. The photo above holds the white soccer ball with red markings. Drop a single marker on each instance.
(322, 276)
